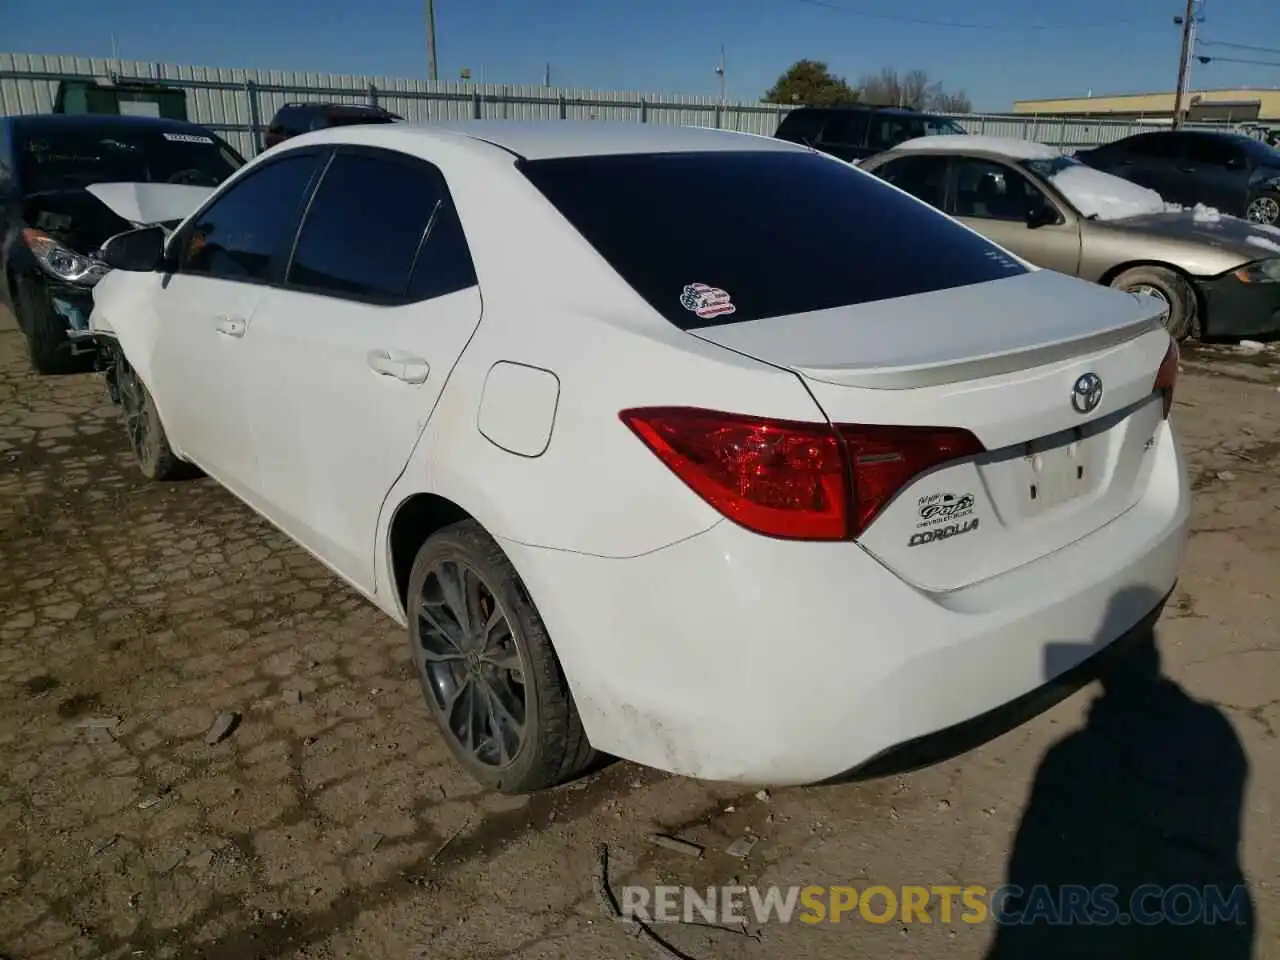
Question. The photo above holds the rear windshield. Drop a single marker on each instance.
(712, 238)
(78, 156)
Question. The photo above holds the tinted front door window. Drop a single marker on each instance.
(239, 234)
(987, 190)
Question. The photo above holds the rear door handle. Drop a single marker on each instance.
(231, 326)
(396, 363)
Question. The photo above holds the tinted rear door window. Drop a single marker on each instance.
(780, 232)
(1154, 146)
(924, 177)
(847, 129)
(1213, 151)
(365, 226)
(801, 126)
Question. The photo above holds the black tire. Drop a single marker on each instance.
(45, 330)
(1183, 317)
(552, 745)
(1264, 208)
(147, 439)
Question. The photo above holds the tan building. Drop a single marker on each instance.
(1234, 106)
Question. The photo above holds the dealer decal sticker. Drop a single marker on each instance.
(188, 138)
(940, 507)
(943, 516)
(706, 301)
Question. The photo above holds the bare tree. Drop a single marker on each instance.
(912, 89)
(952, 101)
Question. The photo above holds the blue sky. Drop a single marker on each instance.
(673, 45)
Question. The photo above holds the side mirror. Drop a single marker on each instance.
(1042, 216)
(139, 250)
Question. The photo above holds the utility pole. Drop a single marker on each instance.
(720, 72)
(431, 40)
(546, 77)
(1188, 30)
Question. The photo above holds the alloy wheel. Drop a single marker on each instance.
(470, 664)
(137, 413)
(1264, 210)
(1150, 291)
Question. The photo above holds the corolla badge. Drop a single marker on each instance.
(1086, 394)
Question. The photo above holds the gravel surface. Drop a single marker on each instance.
(211, 748)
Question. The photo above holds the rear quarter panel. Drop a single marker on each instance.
(550, 302)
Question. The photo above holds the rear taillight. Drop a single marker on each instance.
(1167, 376)
(886, 459)
(797, 481)
(775, 477)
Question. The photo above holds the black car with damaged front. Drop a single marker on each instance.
(67, 184)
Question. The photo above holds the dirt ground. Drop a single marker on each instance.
(331, 822)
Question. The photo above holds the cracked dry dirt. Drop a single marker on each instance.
(332, 824)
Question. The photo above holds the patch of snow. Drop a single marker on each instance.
(1267, 228)
(1010, 147)
(1264, 243)
(1100, 195)
(1202, 214)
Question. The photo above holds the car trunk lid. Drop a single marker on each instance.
(1001, 360)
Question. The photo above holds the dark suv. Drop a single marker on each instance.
(68, 182)
(295, 118)
(859, 131)
(1234, 173)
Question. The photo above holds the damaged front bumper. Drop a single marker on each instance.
(73, 304)
(1237, 309)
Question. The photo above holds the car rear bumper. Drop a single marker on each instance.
(1235, 309)
(731, 656)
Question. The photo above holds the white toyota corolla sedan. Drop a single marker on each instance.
(695, 448)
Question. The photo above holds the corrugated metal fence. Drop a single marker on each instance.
(240, 103)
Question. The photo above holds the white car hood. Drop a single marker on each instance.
(147, 203)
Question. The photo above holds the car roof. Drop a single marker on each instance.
(337, 107)
(553, 139)
(1006, 148)
(863, 107)
(76, 121)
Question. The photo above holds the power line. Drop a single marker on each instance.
(962, 25)
(1238, 46)
(1259, 63)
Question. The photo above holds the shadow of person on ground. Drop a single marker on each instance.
(1128, 847)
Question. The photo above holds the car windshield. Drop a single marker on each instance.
(1097, 195)
(709, 238)
(942, 127)
(77, 157)
(1049, 167)
(1259, 151)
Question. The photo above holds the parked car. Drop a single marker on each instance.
(611, 416)
(1231, 172)
(859, 131)
(67, 183)
(297, 118)
(1214, 274)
